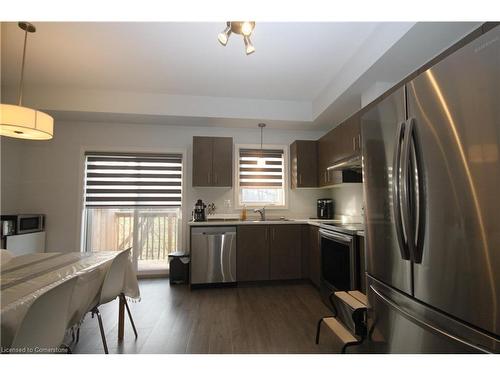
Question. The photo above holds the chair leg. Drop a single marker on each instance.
(101, 328)
(318, 329)
(349, 344)
(129, 314)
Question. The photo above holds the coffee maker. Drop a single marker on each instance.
(199, 211)
(325, 208)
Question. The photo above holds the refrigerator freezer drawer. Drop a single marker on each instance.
(400, 324)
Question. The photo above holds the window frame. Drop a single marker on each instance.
(237, 204)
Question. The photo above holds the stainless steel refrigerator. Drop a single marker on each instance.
(431, 165)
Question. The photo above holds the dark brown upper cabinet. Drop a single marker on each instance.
(304, 164)
(347, 140)
(340, 144)
(213, 161)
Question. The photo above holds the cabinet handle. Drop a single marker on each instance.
(359, 141)
(354, 143)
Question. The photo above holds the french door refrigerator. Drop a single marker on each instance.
(431, 165)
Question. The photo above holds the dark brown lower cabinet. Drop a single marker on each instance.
(252, 256)
(305, 251)
(314, 252)
(269, 252)
(285, 256)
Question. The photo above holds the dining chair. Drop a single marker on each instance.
(112, 288)
(43, 327)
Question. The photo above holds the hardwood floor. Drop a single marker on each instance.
(246, 319)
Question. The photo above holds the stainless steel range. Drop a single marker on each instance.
(340, 259)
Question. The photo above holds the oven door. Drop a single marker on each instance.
(338, 261)
(29, 223)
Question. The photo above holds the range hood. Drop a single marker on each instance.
(353, 163)
(346, 171)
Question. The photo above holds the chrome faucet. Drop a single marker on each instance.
(262, 213)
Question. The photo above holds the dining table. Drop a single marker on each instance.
(26, 277)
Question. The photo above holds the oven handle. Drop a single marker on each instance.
(335, 236)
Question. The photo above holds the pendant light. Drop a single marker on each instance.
(244, 28)
(22, 122)
(261, 162)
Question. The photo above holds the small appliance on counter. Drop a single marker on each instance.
(325, 208)
(199, 211)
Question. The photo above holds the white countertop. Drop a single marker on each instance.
(229, 222)
(316, 222)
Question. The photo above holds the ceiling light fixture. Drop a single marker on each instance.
(261, 162)
(244, 28)
(22, 122)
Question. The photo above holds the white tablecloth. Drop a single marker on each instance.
(26, 277)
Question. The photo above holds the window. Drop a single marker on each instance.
(261, 176)
(134, 200)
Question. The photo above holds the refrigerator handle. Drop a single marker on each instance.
(406, 189)
(396, 193)
(417, 192)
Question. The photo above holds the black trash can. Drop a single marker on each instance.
(179, 267)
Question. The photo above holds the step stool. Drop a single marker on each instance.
(355, 303)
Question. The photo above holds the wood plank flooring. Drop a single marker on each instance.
(247, 319)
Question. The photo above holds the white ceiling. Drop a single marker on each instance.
(293, 61)
(302, 74)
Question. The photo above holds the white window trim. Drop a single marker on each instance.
(236, 176)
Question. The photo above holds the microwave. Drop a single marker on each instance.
(21, 224)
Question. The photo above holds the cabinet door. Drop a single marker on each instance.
(347, 139)
(202, 161)
(307, 164)
(314, 255)
(285, 252)
(326, 146)
(294, 165)
(252, 253)
(304, 249)
(304, 164)
(222, 162)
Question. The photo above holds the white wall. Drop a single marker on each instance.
(47, 176)
(348, 201)
(10, 172)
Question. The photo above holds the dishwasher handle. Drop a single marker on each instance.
(216, 233)
(211, 231)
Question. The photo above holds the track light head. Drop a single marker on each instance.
(249, 48)
(243, 28)
(224, 35)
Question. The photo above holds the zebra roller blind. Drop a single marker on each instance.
(133, 180)
(261, 168)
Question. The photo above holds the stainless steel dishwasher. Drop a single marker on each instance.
(213, 255)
